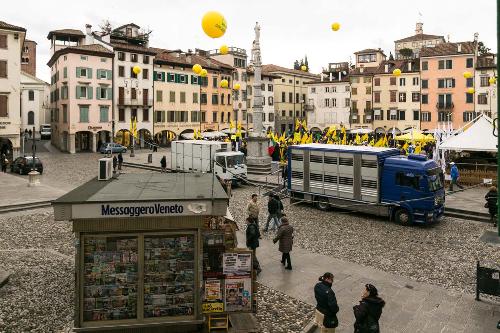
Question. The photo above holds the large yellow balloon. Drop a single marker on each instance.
(237, 86)
(203, 72)
(492, 80)
(197, 68)
(214, 24)
(136, 70)
(467, 75)
(303, 67)
(224, 49)
(396, 72)
(335, 26)
(470, 90)
(224, 83)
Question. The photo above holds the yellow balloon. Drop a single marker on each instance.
(203, 72)
(335, 26)
(396, 72)
(197, 68)
(136, 70)
(303, 67)
(467, 75)
(470, 90)
(237, 86)
(224, 83)
(224, 49)
(492, 80)
(214, 24)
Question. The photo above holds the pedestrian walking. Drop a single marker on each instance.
(491, 203)
(163, 163)
(30, 132)
(252, 241)
(272, 209)
(327, 307)
(115, 163)
(120, 161)
(253, 209)
(281, 209)
(3, 162)
(284, 175)
(455, 175)
(368, 312)
(285, 238)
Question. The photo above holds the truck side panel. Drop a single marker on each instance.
(197, 158)
(369, 180)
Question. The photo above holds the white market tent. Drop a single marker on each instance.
(478, 137)
(361, 131)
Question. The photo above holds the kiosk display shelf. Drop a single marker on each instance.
(110, 278)
(169, 279)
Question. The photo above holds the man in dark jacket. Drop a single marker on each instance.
(120, 161)
(491, 202)
(253, 235)
(115, 163)
(163, 163)
(327, 307)
(272, 209)
(285, 237)
(368, 311)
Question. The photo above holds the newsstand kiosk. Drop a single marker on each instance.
(154, 253)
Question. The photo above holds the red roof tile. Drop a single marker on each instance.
(7, 26)
(68, 32)
(419, 37)
(276, 69)
(93, 49)
(445, 49)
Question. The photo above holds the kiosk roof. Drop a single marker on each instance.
(147, 187)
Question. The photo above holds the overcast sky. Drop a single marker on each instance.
(290, 29)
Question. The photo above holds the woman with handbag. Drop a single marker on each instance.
(368, 311)
(327, 307)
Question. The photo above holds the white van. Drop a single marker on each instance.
(45, 131)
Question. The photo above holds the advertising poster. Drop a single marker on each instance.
(237, 264)
(212, 297)
(238, 294)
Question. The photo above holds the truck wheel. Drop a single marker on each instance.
(403, 217)
(322, 204)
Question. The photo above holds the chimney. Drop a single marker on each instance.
(340, 76)
(321, 75)
(331, 76)
(387, 68)
(89, 38)
(409, 66)
(459, 48)
(419, 30)
(88, 28)
(188, 58)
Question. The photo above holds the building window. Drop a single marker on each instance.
(3, 69)
(415, 81)
(378, 115)
(283, 113)
(425, 99)
(377, 81)
(170, 116)
(401, 114)
(445, 64)
(159, 96)
(425, 84)
(31, 95)
(121, 114)
(133, 114)
(3, 41)
(65, 113)
(425, 65)
(121, 71)
(376, 95)
(133, 93)
(415, 97)
(482, 99)
(133, 57)
(426, 116)
(290, 113)
(469, 82)
(203, 98)
(402, 81)
(392, 81)
(347, 89)
(195, 98)
(270, 100)
(354, 91)
(104, 114)
(416, 114)
(334, 102)
(25, 60)
(215, 99)
(327, 89)
(84, 58)
(355, 80)
(444, 116)
(469, 63)
(392, 114)
(297, 98)
(327, 102)
(145, 59)
(368, 90)
(172, 97)
(183, 97)
(214, 82)
(159, 116)
(313, 90)
(145, 74)
(84, 113)
(269, 87)
(271, 117)
(31, 118)
(194, 116)
(446, 83)
(82, 92)
(393, 96)
(485, 81)
(445, 101)
(469, 98)
(290, 97)
(145, 114)
(121, 56)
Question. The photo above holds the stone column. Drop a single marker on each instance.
(71, 143)
(93, 142)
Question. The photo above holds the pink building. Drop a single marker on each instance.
(444, 88)
(80, 95)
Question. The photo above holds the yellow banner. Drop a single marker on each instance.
(212, 307)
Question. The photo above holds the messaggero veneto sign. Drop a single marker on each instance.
(140, 209)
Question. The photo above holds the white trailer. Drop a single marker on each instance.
(209, 156)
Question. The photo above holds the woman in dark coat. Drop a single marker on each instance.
(368, 311)
(327, 307)
(252, 241)
(491, 202)
(285, 237)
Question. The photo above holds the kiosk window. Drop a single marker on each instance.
(408, 180)
(110, 278)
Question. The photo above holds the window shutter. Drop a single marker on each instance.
(154, 76)
(65, 72)
(98, 74)
(89, 75)
(163, 76)
(3, 106)
(109, 75)
(78, 72)
(109, 93)
(89, 92)
(98, 92)
(78, 92)
(177, 78)
(453, 83)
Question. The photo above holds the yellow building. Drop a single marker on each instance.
(290, 95)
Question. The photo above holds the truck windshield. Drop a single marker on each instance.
(435, 178)
(234, 160)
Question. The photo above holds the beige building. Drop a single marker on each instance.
(11, 45)
(396, 99)
(267, 89)
(486, 93)
(290, 95)
(415, 43)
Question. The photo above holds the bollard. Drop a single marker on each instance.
(150, 158)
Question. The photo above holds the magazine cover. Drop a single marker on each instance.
(238, 294)
(237, 264)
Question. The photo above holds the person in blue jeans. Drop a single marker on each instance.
(273, 210)
(454, 176)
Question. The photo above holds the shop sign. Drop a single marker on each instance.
(94, 128)
(3, 124)
(139, 209)
(212, 307)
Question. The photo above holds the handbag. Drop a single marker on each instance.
(486, 205)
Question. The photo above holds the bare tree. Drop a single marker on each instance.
(106, 27)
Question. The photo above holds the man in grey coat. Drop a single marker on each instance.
(285, 237)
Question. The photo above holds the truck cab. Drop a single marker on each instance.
(230, 165)
(414, 186)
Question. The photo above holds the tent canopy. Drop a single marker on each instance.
(361, 131)
(415, 135)
(478, 137)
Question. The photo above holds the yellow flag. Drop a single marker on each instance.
(305, 138)
(239, 125)
(304, 125)
(296, 138)
(357, 139)
(297, 124)
(344, 140)
(405, 146)
(231, 125)
(372, 142)
(364, 138)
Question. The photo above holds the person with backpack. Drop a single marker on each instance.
(368, 312)
(327, 307)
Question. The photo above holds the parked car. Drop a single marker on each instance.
(45, 131)
(107, 148)
(23, 165)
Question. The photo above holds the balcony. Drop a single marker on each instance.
(135, 102)
(445, 106)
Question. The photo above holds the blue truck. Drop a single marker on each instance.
(379, 181)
